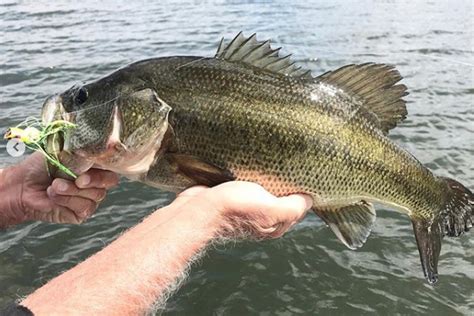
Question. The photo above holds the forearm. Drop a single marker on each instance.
(133, 272)
(10, 193)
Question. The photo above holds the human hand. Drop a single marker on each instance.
(247, 210)
(35, 196)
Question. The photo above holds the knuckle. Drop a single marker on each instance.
(91, 207)
(87, 207)
(115, 178)
(279, 230)
(110, 179)
(79, 219)
(277, 234)
(265, 232)
(99, 195)
(292, 216)
(62, 199)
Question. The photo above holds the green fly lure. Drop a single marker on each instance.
(33, 133)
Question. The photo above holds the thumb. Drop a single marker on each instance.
(293, 207)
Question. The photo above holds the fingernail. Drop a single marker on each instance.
(62, 186)
(83, 180)
(50, 191)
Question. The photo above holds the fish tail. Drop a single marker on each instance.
(458, 211)
(455, 217)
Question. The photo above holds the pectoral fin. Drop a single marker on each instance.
(201, 172)
(352, 224)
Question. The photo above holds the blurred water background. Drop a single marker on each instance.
(47, 46)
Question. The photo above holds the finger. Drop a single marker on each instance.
(59, 214)
(65, 187)
(192, 191)
(284, 212)
(187, 194)
(82, 207)
(276, 231)
(280, 229)
(64, 215)
(300, 218)
(291, 208)
(96, 178)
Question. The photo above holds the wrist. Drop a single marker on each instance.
(212, 213)
(205, 216)
(11, 188)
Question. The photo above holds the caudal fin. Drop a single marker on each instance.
(458, 213)
(455, 218)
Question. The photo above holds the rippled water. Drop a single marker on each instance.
(47, 46)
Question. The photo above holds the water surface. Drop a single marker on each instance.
(47, 46)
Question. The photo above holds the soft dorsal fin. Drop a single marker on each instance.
(352, 224)
(375, 86)
(259, 54)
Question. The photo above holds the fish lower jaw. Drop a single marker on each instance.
(129, 165)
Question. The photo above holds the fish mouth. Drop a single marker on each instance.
(56, 145)
(53, 110)
(107, 137)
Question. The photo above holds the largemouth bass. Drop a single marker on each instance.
(249, 114)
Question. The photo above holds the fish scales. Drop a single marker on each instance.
(241, 120)
(249, 114)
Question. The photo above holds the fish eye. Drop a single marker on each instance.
(81, 96)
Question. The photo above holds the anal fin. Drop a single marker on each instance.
(428, 237)
(352, 224)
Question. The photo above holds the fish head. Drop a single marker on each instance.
(118, 129)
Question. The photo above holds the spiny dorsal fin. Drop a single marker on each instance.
(352, 224)
(375, 86)
(259, 54)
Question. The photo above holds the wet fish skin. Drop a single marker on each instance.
(277, 129)
(121, 132)
(244, 116)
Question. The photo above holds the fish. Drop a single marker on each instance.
(248, 113)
